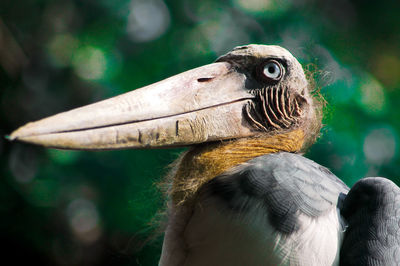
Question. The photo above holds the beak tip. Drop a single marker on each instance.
(13, 136)
(16, 134)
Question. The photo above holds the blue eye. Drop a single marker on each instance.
(272, 70)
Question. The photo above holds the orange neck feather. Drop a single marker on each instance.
(202, 163)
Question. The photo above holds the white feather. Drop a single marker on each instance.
(214, 235)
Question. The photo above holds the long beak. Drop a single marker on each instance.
(200, 105)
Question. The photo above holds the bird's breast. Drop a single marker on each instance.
(215, 237)
(218, 235)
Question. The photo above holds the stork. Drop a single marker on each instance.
(242, 194)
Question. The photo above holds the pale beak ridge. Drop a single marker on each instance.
(199, 105)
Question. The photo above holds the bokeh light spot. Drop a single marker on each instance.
(264, 7)
(224, 33)
(147, 20)
(89, 63)
(61, 48)
(380, 145)
(372, 96)
(23, 164)
(84, 219)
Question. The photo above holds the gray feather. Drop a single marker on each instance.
(286, 183)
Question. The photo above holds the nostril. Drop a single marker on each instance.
(204, 79)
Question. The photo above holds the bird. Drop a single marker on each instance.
(243, 193)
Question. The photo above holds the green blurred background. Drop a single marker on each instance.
(98, 208)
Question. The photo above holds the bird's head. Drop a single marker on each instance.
(254, 90)
(252, 101)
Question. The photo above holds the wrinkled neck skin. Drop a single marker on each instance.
(204, 162)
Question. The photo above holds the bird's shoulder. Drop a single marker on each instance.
(286, 185)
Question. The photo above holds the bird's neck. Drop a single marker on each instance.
(202, 163)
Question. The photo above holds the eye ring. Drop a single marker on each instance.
(272, 70)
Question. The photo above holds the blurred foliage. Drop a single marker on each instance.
(96, 208)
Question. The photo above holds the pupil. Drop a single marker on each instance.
(271, 69)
